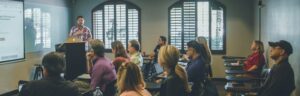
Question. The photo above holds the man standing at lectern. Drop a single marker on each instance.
(80, 31)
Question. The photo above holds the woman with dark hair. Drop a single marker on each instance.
(202, 40)
(196, 67)
(120, 54)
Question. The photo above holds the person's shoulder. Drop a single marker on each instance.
(286, 66)
(103, 60)
(86, 27)
(108, 61)
(173, 78)
(146, 92)
(69, 87)
(282, 68)
(66, 87)
(37, 83)
(283, 65)
(134, 93)
(73, 27)
(120, 59)
(51, 83)
(157, 47)
(134, 56)
(31, 87)
(139, 55)
(70, 84)
(128, 93)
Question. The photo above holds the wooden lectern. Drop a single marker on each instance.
(75, 59)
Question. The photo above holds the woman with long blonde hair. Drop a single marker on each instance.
(130, 81)
(176, 83)
(202, 40)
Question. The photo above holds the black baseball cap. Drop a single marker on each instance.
(284, 45)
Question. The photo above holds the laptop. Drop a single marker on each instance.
(158, 68)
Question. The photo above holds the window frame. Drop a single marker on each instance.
(180, 4)
(129, 5)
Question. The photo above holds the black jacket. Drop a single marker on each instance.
(49, 86)
(172, 86)
(280, 81)
(156, 51)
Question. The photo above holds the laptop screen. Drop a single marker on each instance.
(158, 68)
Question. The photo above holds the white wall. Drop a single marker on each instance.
(240, 32)
(59, 11)
(280, 21)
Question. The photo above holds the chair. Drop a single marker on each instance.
(238, 82)
(148, 68)
(37, 72)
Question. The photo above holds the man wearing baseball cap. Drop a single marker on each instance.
(280, 81)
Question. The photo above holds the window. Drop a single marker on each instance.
(116, 20)
(192, 18)
(41, 26)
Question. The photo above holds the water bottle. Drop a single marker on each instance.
(97, 92)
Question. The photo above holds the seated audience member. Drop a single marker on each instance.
(161, 42)
(134, 52)
(100, 67)
(196, 67)
(280, 81)
(202, 40)
(176, 83)
(120, 54)
(130, 81)
(52, 84)
(256, 60)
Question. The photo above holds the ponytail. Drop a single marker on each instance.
(183, 76)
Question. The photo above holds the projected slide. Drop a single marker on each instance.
(11, 31)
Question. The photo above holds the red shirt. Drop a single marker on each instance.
(118, 62)
(254, 59)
